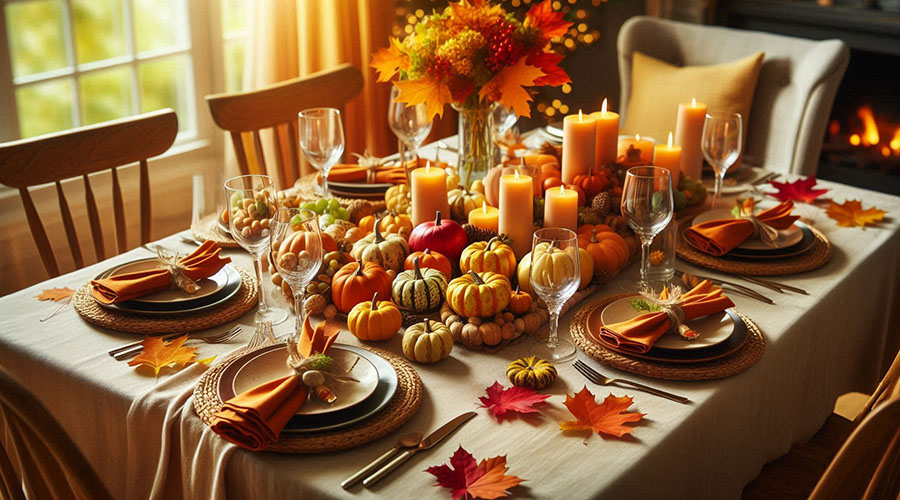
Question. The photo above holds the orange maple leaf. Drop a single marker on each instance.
(158, 354)
(55, 294)
(473, 14)
(606, 418)
(507, 87)
(549, 22)
(433, 93)
(388, 61)
(464, 478)
(851, 214)
(494, 482)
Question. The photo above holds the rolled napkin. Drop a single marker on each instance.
(718, 237)
(255, 418)
(639, 334)
(201, 263)
(363, 174)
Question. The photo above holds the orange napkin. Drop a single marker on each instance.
(718, 237)
(640, 333)
(356, 173)
(255, 418)
(201, 263)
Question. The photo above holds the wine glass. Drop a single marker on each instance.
(296, 252)
(647, 207)
(251, 202)
(410, 124)
(721, 144)
(555, 274)
(321, 139)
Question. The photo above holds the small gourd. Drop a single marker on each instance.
(374, 320)
(519, 302)
(531, 372)
(420, 289)
(388, 251)
(427, 342)
(493, 255)
(475, 294)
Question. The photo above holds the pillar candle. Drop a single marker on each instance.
(486, 217)
(607, 136)
(688, 131)
(578, 153)
(429, 194)
(561, 208)
(645, 144)
(669, 157)
(516, 211)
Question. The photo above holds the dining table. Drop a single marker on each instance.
(143, 437)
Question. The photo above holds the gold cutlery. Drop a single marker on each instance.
(732, 287)
(595, 377)
(131, 350)
(410, 440)
(774, 285)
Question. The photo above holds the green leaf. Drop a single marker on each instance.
(641, 305)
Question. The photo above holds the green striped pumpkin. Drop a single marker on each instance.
(418, 289)
(531, 372)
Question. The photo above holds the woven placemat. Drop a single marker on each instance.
(740, 360)
(402, 407)
(231, 310)
(207, 228)
(814, 258)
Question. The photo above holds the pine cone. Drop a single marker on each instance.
(615, 222)
(601, 277)
(601, 204)
(361, 208)
(478, 234)
(552, 150)
(411, 318)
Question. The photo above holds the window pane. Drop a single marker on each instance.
(234, 64)
(164, 84)
(234, 16)
(105, 95)
(159, 24)
(44, 107)
(36, 36)
(99, 29)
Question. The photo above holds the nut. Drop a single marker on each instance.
(287, 261)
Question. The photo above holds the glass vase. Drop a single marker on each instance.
(476, 142)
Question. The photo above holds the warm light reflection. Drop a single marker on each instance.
(870, 135)
(855, 140)
(885, 151)
(895, 142)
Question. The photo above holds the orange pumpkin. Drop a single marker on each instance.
(550, 183)
(357, 282)
(607, 249)
(519, 302)
(328, 243)
(582, 199)
(375, 320)
(367, 223)
(593, 183)
(587, 228)
(433, 260)
(492, 255)
(394, 222)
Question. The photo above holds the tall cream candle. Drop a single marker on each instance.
(429, 194)
(607, 135)
(669, 157)
(517, 211)
(561, 208)
(485, 217)
(688, 132)
(579, 138)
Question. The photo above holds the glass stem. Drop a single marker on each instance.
(720, 180)
(298, 309)
(553, 337)
(262, 305)
(325, 180)
(645, 262)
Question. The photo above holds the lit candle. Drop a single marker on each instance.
(561, 208)
(607, 135)
(688, 131)
(516, 211)
(669, 157)
(644, 144)
(578, 152)
(486, 218)
(429, 194)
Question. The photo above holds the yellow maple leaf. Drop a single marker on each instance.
(426, 89)
(851, 214)
(56, 294)
(507, 87)
(388, 61)
(158, 354)
(472, 14)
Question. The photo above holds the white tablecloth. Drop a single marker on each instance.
(819, 346)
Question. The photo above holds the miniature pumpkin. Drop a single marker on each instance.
(523, 274)
(593, 183)
(492, 255)
(394, 222)
(550, 263)
(367, 224)
(397, 198)
(296, 243)
(419, 290)
(608, 250)
(462, 201)
(357, 282)
(388, 251)
(429, 259)
(374, 320)
(477, 186)
(479, 295)
(531, 372)
(491, 333)
(452, 177)
(519, 301)
(587, 268)
(427, 342)
(444, 236)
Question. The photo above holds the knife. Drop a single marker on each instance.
(729, 286)
(432, 439)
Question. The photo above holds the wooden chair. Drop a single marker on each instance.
(49, 465)
(80, 152)
(245, 114)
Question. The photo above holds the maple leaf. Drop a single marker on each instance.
(158, 354)
(55, 294)
(799, 190)
(426, 89)
(548, 62)
(487, 479)
(507, 87)
(388, 61)
(605, 418)
(851, 214)
(515, 399)
(549, 22)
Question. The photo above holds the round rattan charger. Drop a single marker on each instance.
(741, 360)
(231, 310)
(402, 407)
(207, 228)
(814, 258)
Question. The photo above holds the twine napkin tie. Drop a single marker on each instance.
(177, 270)
(761, 230)
(671, 303)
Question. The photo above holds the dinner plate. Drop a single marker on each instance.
(555, 129)
(786, 237)
(225, 228)
(356, 194)
(805, 245)
(208, 286)
(713, 329)
(271, 365)
(362, 187)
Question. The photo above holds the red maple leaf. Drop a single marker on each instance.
(549, 22)
(799, 190)
(554, 76)
(487, 479)
(516, 399)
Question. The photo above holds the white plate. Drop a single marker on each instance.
(271, 364)
(208, 286)
(786, 237)
(713, 329)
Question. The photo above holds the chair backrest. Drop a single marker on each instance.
(868, 464)
(797, 82)
(888, 388)
(39, 457)
(245, 114)
(78, 153)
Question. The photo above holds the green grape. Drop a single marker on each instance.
(236, 199)
(322, 287)
(343, 214)
(306, 213)
(334, 255)
(321, 205)
(333, 204)
(296, 220)
(308, 205)
(326, 220)
(334, 264)
(311, 288)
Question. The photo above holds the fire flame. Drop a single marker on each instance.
(895, 142)
(870, 136)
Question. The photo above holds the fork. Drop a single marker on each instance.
(131, 350)
(595, 377)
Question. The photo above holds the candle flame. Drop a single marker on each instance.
(579, 115)
(603, 107)
(517, 174)
(484, 207)
(427, 167)
(562, 189)
(670, 139)
(637, 137)
(693, 102)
